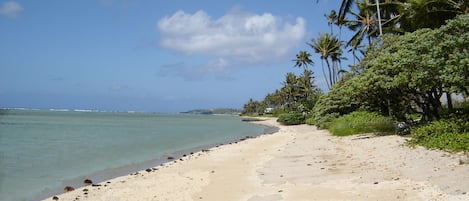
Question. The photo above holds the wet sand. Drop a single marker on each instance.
(296, 163)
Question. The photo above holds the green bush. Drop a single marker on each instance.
(361, 122)
(276, 112)
(447, 134)
(291, 119)
(338, 101)
(310, 121)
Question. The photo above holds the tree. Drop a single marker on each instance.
(329, 47)
(410, 73)
(332, 19)
(303, 59)
(253, 107)
(365, 24)
(431, 13)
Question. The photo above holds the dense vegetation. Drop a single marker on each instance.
(410, 65)
(291, 119)
(450, 134)
(361, 122)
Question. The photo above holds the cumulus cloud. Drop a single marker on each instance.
(239, 36)
(10, 9)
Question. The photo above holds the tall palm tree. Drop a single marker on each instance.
(431, 13)
(303, 60)
(332, 19)
(365, 24)
(344, 8)
(306, 85)
(290, 89)
(329, 47)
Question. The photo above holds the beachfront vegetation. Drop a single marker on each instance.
(361, 122)
(450, 134)
(291, 119)
(407, 74)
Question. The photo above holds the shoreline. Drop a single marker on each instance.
(296, 163)
(130, 169)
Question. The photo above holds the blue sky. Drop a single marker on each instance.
(154, 56)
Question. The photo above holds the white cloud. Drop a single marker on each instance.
(10, 9)
(238, 36)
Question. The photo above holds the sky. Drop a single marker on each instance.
(151, 55)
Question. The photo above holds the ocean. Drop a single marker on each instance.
(41, 151)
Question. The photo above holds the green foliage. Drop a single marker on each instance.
(446, 134)
(253, 107)
(310, 121)
(339, 101)
(329, 48)
(298, 94)
(291, 119)
(409, 74)
(279, 111)
(361, 122)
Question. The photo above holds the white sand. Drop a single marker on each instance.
(297, 163)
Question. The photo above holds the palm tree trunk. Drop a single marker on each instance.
(330, 73)
(379, 17)
(324, 74)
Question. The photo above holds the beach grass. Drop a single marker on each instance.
(361, 122)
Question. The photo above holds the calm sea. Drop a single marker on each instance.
(41, 151)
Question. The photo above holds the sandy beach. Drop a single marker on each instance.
(296, 163)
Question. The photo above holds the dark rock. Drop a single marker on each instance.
(55, 198)
(170, 158)
(68, 189)
(148, 170)
(95, 185)
(88, 182)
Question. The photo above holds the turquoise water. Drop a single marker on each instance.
(42, 151)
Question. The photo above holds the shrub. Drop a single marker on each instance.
(361, 122)
(310, 121)
(276, 112)
(291, 119)
(446, 134)
(339, 101)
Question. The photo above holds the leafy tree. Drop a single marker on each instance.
(410, 73)
(340, 100)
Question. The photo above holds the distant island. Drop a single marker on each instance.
(225, 111)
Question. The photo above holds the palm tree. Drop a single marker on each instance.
(431, 13)
(329, 47)
(365, 24)
(344, 9)
(290, 89)
(303, 60)
(305, 84)
(332, 19)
